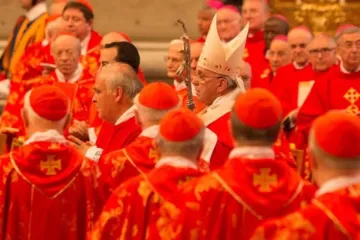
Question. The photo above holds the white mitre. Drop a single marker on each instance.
(224, 58)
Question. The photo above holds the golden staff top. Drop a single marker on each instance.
(184, 71)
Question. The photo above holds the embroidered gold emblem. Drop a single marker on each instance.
(144, 191)
(265, 73)
(352, 96)
(264, 180)
(54, 146)
(50, 165)
(153, 155)
(246, 53)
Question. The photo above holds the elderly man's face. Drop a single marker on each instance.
(195, 51)
(254, 13)
(322, 55)
(66, 56)
(206, 85)
(349, 49)
(299, 40)
(280, 54)
(204, 19)
(173, 60)
(103, 98)
(228, 24)
(76, 23)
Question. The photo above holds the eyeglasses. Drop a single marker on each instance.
(349, 45)
(321, 50)
(171, 59)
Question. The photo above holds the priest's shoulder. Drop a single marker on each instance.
(289, 68)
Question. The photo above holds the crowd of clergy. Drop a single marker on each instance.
(94, 151)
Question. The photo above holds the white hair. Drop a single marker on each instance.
(120, 75)
(150, 115)
(350, 30)
(33, 117)
(53, 26)
(188, 149)
(329, 160)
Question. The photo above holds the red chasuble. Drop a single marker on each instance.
(134, 205)
(232, 201)
(49, 191)
(139, 157)
(264, 79)
(80, 94)
(292, 85)
(333, 216)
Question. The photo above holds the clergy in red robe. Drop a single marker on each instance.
(336, 89)
(140, 156)
(83, 29)
(134, 205)
(68, 75)
(28, 29)
(115, 87)
(262, 71)
(334, 212)
(294, 73)
(279, 56)
(204, 17)
(53, 190)
(217, 84)
(253, 185)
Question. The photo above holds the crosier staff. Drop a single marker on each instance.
(184, 71)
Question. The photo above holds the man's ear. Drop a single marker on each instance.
(119, 93)
(222, 86)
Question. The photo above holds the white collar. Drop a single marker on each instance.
(298, 67)
(84, 44)
(177, 162)
(179, 86)
(36, 11)
(337, 183)
(226, 100)
(343, 70)
(48, 136)
(126, 115)
(73, 78)
(255, 152)
(150, 132)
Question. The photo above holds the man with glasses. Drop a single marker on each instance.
(217, 83)
(228, 22)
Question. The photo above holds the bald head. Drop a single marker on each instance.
(195, 49)
(112, 37)
(228, 23)
(299, 38)
(66, 51)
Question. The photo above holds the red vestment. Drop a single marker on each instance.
(139, 157)
(134, 205)
(48, 191)
(80, 94)
(263, 80)
(332, 216)
(183, 95)
(231, 202)
(114, 137)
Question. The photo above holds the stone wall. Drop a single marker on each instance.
(150, 23)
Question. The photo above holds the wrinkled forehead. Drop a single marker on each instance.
(353, 37)
(297, 36)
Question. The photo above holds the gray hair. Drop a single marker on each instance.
(329, 160)
(121, 75)
(347, 31)
(188, 149)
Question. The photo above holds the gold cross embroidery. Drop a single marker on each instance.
(352, 96)
(264, 180)
(50, 165)
(352, 109)
(265, 73)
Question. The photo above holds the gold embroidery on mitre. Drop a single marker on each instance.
(264, 180)
(352, 96)
(265, 74)
(153, 155)
(50, 165)
(246, 53)
(144, 191)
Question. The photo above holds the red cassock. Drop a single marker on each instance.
(263, 80)
(134, 206)
(254, 53)
(231, 202)
(80, 94)
(114, 137)
(48, 191)
(139, 157)
(183, 95)
(332, 216)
